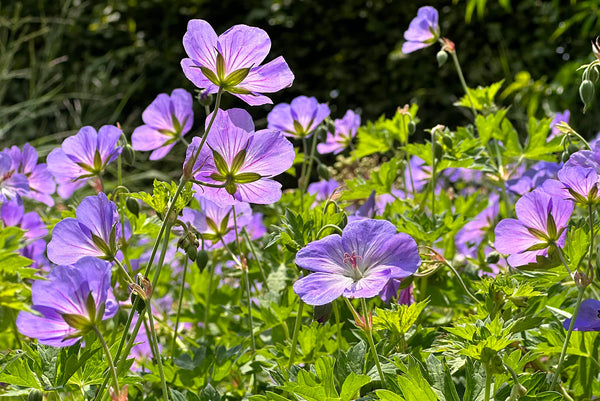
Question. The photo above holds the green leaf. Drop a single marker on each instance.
(324, 369)
(442, 384)
(209, 394)
(162, 194)
(387, 395)
(352, 385)
(482, 98)
(18, 373)
(399, 319)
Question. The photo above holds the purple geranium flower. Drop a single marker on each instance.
(69, 303)
(93, 233)
(579, 184)
(474, 232)
(13, 214)
(167, 119)
(215, 223)
(83, 156)
(558, 118)
(12, 184)
(323, 189)
(40, 181)
(240, 160)
(422, 31)
(357, 264)
(298, 119)
(345, 130)
(232, 62)
(586, 158)
(588, 318)
(542, 222)
(533, 177)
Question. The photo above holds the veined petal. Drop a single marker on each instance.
(49, 329)
(194, 73)
(98, 214)
(325, 255)
(158, 114)
(200, 42)
(512, 237)
(243, 46)
(108, 135)
(147, 138)
(321, 288)
(269, 154)
(271, 77)
(182, 107)
(280, 118)
(69, 243)
(263, 192)
(409, 47)
(370, 285)
(161, 152)
(61, 165)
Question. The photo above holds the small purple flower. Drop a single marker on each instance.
(12, 184)
(542, 222)
(166, 120)
(93, 233)
(558, 118)
(533, 177)
(392, 291)
(575, 183)
(240, 160)
(357, 264)
(232, 62)
(345, 130)
(588, 318)
(586, 158)
(215, 223)
(323, 189)
(418, 175)
(475, 231)
(13, 214)
(40, 181)
(83, 156)
(298, 119)
(72, 301)
(422, 31)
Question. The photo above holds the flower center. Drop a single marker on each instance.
(352, 260)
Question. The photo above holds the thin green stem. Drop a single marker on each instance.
(119, 171)
(297, 325)
(262, 272)
(158, 357)
(461, 77)
(124, 271)
(179, 303)
(462, 283)
(433, 174)
(563, 352)
(326, 226)
(303, 172)
(251, 322)
(591, 252)
(488, 384)
(211, 272)
(111, 365)
(369, 332)
(336, 312)
(564, 262)
(310, 162)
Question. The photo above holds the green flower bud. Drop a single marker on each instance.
(586, 92)
(492, 257)
(322, 313)
(330, 125)
(141, 303)
(35, 395)
(412, 127)
(201, 259)
(593, 74)
(128, 155)
(564, 157)
(441, 57)
(323, 171)
(438, 151)
(572, 149)
(133, 206)
(447, 142)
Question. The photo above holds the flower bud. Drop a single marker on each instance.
(141, 303)
(128, 155)
(438, 151)
(564, 157)
(411, 127)
(133, 206)
(586, 92)
(447, 141)
(322, 313)
(441, 57)
(572, 149)
(35, 395)
(201, 259)
(204, 98)
(330, 125)
(323, 171)
(492, 257)
(593, 74)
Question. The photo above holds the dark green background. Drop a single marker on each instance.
(69, 64)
